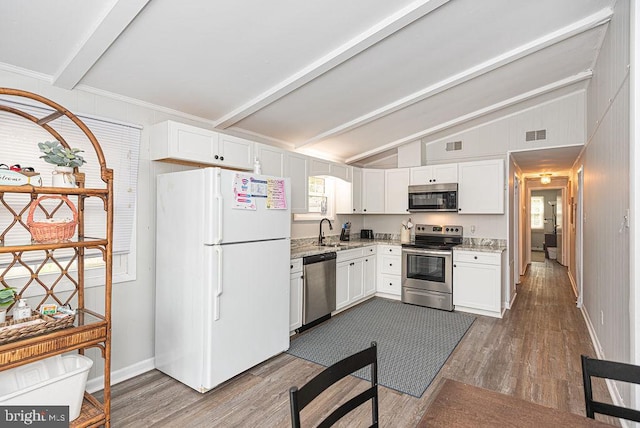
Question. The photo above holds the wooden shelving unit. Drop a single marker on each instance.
(90, 329)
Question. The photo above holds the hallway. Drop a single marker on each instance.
(532, 353)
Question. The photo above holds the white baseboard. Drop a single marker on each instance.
(611, 386)
(574, 285)
(96, 384)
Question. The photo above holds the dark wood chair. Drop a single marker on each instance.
(592, 367)
(300, 398)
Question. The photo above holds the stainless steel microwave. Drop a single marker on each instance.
(433, 197)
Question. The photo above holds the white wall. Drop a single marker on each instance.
(606, 194)
(563, 118)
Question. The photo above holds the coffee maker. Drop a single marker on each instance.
(345, 232)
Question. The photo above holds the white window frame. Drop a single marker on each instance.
(331, 206)
(539, 200)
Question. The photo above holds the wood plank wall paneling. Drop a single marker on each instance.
(606, 197)
(532, 353)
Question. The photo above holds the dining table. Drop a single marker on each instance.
(460, 405)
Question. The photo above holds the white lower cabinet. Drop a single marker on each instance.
(355, 276)
(477, 282)
(370, 272)
(295, 296)
(389, 270)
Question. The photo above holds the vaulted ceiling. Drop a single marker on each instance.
(347, 80)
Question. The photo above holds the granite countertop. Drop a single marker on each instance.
(309, 247)
(494, 248)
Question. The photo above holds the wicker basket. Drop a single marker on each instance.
(44, 232)
(35, 325)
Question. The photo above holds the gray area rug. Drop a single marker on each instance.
(413, 342)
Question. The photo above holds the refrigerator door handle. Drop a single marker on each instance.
(216, 298)
(219, 201)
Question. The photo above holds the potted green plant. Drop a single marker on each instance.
(7, 297)
(65, 159)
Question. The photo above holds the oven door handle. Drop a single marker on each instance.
(427, 252)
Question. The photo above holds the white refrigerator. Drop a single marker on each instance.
(222, 273)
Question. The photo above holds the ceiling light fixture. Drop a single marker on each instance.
(545, 178)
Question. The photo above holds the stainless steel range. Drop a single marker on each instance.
(427, 266)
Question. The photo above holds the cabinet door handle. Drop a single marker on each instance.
(455, 266)
(459, 209)
(475, 257)
(291, 267)
(366, 260)
(216, 157)
(221, 157)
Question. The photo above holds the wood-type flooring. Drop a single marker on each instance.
(532, 353)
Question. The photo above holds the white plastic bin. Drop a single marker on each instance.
(55, 381)
(553, 253)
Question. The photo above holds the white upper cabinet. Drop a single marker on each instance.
(324, 167)
(319, 167)
(175, 141)
(396, 191)
(349, 195)
(373, 193)
(434, 174)
(297, 168)
(340, 171)
(481, 187)
(272, 159)
(235, 152)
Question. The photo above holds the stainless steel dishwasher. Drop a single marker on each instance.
(319, 291)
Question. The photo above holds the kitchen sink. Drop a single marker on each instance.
(336, 246)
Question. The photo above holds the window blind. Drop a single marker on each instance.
(120, 144)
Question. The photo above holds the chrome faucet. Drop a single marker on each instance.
(321, 235)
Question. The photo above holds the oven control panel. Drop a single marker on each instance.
(438, 230)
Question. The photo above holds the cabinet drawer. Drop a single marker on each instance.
(390, 264)
(345, 255)
(369, 251)
(296, 265)
(476, 257)
(390, 284)
(396, 250)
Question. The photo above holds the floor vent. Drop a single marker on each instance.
(454, 145)
(540, 134)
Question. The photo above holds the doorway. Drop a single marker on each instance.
(546, 225)
(544, 221)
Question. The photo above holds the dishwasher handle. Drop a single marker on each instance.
(317, 258)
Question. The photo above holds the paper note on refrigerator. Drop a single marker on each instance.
(276, 194)
(243, 199)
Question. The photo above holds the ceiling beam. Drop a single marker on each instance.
(97, 42)
(476, 114)
(353, 47)
(599, 18)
